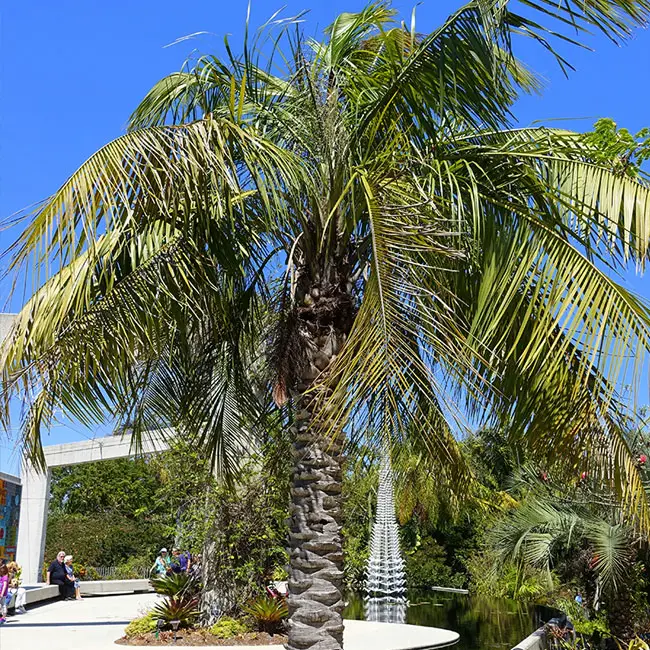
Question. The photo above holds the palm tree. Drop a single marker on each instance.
(543, 531)
(359, 209)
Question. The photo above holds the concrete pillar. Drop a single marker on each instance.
(33, 522)
(32, 526)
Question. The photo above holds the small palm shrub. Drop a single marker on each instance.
(142, 625)
(176, 584)
(227, 627)
(178, 608)
(268, 613)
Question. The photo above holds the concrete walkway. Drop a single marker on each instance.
(96, 622)
(93, 623)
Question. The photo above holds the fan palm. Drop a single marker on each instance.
(359, 208)
(542, 530)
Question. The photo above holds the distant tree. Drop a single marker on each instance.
(104, 540)
(121, 486)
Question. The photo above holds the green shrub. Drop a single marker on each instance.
(426, 566)
(280, 573)
(142, 625)
(509, 580)
(114, 538)
(86, 572)
(227, 627)
(596, 623)
(268, 613)
(133, 568)
(247, 533)
(355, 566)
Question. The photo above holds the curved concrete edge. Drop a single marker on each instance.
(534, 641)
(393, 636)
(362, 635)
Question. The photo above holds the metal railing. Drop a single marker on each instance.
(116, 573)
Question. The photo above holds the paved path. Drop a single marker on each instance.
(95, 624)
(89, 624)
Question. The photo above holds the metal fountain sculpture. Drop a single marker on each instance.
(386, 581)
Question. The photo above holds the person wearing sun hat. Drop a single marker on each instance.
(162, 565)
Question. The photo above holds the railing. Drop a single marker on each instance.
(536, 641)
(116, 573)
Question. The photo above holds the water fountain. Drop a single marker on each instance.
(386, 582)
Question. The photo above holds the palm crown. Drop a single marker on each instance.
(352, 224)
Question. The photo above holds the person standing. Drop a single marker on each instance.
(57, 575)
(67, 560)
(15, 588)
(196, 569)
(180, 561)
(162, 565)
(4, 589)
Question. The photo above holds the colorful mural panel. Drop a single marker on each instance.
(10, 495)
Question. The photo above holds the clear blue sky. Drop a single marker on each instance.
(72, 71)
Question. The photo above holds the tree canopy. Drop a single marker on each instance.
(352, 227)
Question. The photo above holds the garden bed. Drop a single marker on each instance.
(202, 637)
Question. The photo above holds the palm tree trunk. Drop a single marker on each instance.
(620, 612)
(316, 553)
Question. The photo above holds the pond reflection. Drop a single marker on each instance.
(481, 622)
(385, 610)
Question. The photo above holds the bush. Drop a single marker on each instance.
(426, 567)
(355, 566)
(584, 624)
(102, 539)
(247, 542)
(142, 625)
(134, 567)
(269, 613)
(86, 572)
(227, 627)
(509, 580)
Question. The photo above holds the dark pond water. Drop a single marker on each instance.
(483, 623)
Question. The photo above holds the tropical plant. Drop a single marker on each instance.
(268, 612)
(176, 584)
(178, 608)
(359, 207)
(509, 579)
(246, 539)
(634, 644)
(585, 622)
(541, 532)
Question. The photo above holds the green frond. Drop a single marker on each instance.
(612, 548)
(474, 261)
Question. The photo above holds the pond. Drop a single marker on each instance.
(483, 623)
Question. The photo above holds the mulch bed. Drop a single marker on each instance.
(202, 638)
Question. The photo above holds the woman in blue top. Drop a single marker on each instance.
(71, 577)
(162, 565)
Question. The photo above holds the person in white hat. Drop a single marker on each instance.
(162, 565)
